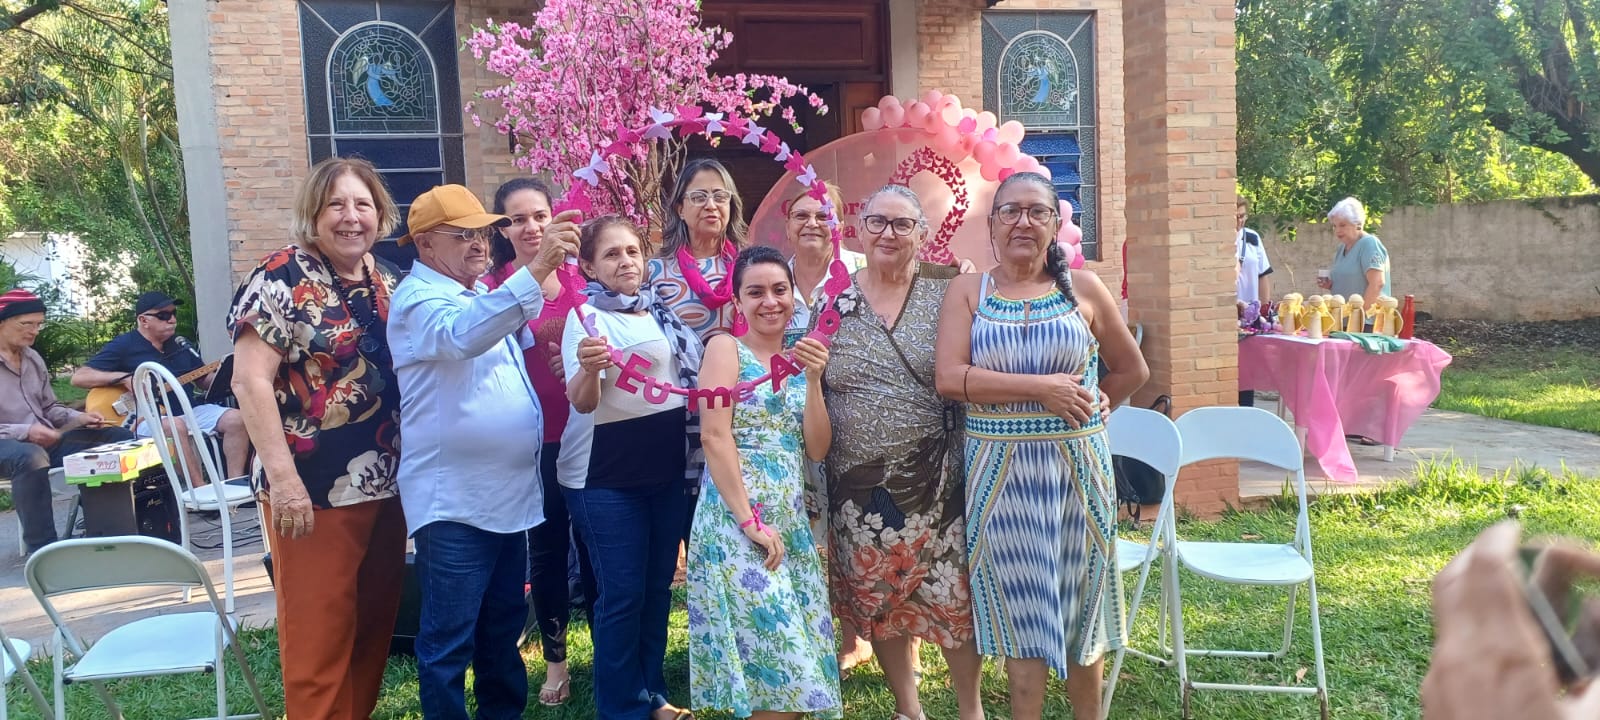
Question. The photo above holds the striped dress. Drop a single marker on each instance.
(1041, 501)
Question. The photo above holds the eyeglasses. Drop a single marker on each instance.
(483, 234)
(31, 324)
(1037, 214)
(701, 197)
(163, 316)
(801, 217)
(902, 227)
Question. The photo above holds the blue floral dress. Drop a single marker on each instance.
(761, 640)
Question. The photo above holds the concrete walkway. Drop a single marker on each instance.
(1489, 444)
(1492, 445)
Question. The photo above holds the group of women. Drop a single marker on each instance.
(950, 437)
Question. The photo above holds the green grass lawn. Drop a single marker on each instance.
(66, 393)
(1375, 556)
(1557, 387)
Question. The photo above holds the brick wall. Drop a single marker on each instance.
(255, 57)
(488, 157)
(1180, 175)
(951, 51)
(255, 50)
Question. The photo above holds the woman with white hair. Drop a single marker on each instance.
(1361, 262)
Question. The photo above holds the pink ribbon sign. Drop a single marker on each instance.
(688, 121)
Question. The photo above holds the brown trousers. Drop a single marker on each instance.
(338, 594)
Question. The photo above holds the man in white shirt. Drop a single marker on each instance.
(1251, 284)
(471, 428)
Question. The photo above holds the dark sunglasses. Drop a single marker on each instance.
(164, 315)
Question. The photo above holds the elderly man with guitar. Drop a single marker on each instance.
(109, 378)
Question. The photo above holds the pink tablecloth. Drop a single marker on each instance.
(1334, 388)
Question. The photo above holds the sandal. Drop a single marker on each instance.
(561, 692)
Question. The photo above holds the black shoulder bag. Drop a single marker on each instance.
(1139, 484)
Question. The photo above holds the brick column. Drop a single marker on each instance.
(1179, 75)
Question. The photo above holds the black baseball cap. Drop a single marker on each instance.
(154, 300)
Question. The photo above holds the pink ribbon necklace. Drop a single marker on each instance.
(712, 298)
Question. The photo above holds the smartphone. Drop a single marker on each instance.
(1567, 617)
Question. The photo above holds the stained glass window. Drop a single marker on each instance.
(380, 79)
(1039, 70)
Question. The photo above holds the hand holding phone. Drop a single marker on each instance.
(1491, 654)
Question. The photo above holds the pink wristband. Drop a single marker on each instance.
(755, 519)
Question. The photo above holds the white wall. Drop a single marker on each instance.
(56, 259)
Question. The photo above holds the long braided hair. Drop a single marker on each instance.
(1055, 259)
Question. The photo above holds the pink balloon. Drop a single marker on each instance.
(1027, 164)
(917, 114)
(1008, 155)
(984, 151)
(992, 135)
(948, 141)
(1074, 256)
(1012, 132)
(967, 126)
(1070, 233)
(990, 171)
(1004, 173)
(888, 101)
(968, 144)
(894, 116)
(950, 101)
(986, 121)
(871, 119)
(969, 112)
(1045, 171)
(950, 114)
(933, 98)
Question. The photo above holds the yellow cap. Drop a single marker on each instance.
(448, 205)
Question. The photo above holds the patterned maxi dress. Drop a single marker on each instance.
(1041, 501)
(761, 640)
(894, 475)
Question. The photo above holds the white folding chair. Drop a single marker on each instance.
(1246, 433)
(1151, 438)
(153, 384)
(14, 661)
(170, 644)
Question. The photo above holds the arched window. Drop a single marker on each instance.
(381, 83)
(1039, 70)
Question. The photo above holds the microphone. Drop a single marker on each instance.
(184, 343)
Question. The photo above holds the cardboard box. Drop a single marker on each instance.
(117, 462)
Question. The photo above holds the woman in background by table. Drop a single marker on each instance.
(1361, 262)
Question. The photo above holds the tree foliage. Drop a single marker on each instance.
(1401, 102)
(88, 136)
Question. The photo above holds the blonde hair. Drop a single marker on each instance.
(313, 195)
(835, 198)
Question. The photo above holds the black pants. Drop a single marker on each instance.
(1247, 398)
(29, 467)
(550, 544)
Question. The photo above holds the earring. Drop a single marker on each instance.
(740, 327)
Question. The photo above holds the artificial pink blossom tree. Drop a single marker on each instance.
(585, 68)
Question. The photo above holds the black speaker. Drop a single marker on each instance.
(409, 619)
(143, 506)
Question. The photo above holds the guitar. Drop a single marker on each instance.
(114, 403)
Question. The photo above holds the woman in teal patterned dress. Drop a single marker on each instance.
(760, 632)
(1021, 345)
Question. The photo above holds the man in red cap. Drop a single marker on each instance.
(36, 430)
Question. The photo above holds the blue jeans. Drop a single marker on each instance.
(473, 610)
(632, 536)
